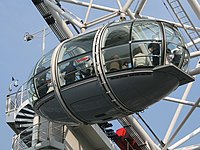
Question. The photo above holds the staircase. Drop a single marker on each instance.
(184, 19)
(19, 114)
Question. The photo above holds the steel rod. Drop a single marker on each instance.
(93, 5)
(170, 99)
(182, 123)
(64, 14)
(186, 138)
(178, 111)
(141, 7)
(88, 11)
(195, 6)
(101, 19)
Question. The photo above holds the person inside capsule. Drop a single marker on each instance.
(154, 49)
(139, 58)
(70, 73)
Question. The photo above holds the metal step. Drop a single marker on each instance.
(26, 111)
(22, 116)
(24, 122)
(29, 107)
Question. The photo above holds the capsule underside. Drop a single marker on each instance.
(102, 75)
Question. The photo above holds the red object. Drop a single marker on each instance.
(124, 140)
(121, 132)
(83, 59)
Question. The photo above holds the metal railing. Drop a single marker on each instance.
(44, 131)
(14, 100)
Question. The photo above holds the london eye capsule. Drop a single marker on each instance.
(117, 70)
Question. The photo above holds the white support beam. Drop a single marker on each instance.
(191, 147)
(170, 99)
(140, 8)
(178, 111)
(130, 14)
(119, 4)
(93, 5)
(140, 130)
(182, 123)
(194, 54)
(186, 138)
(125, 8)
(127, 5)
(195, 6)
(195, 71)
(101, 19)
(64, 14)
(191, 43)
(88, 11)
(61, 23)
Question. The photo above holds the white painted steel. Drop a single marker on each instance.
(194, 54)
(195, 6)
(140, 8)
(101, 19)
(178, 111)
(182, 123)
(64, 14)
(61, 23)
(93, 5)
(195, 71)
(186, 138)
(127, 5)
(195, 41)
(88, 11)
(140, 130)
(170, 99)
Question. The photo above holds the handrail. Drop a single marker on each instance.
(14, 100)
(45, 131)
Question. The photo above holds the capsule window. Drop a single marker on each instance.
(75, 59)
(146, 31)
(175, 51)
(76, 47)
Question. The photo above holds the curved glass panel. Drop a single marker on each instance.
(146, 30)
(44, 62)
(77, 46)
(43, 83)
(175, 52)
(116, 58)
(31, 91)
(75, 69)
(144, 50)
(146, 44)
(40, 83)
(116, 34)
(75, 59)
(115, 47)
(145, 54)
(186, 61)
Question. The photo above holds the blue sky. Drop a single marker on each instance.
(18, 58)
